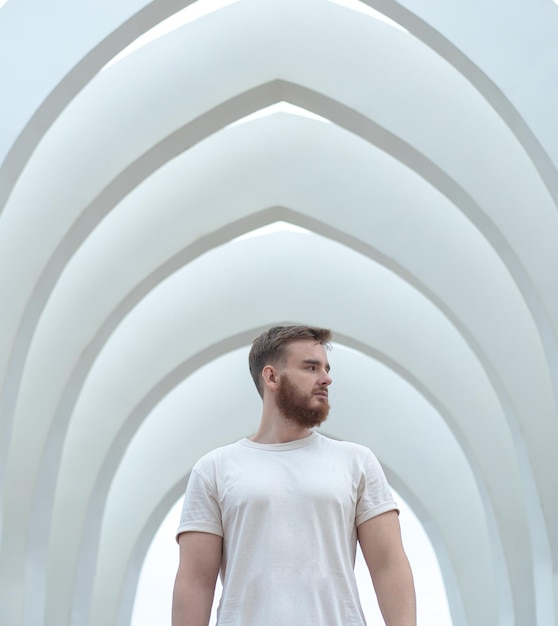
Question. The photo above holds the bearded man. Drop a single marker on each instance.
(279, 514)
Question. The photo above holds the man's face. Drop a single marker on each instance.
(302, 395)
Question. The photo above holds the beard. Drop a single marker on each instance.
(294, 405)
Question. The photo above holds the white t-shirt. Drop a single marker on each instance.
(288, 515)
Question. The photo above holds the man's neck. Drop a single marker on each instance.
(276, 429)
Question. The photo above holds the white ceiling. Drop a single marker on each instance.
(418, 163)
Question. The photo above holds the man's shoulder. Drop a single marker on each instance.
(343, 446)
(216, 456)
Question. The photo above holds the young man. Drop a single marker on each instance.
(279, 513)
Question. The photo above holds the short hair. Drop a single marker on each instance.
(269, 347)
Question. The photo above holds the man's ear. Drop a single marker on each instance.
(270, 376)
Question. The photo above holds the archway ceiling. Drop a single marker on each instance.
(426, 192)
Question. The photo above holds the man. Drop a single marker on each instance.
(279, 513)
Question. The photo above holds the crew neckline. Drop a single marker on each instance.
(278, 447)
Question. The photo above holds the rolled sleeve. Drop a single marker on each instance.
(374, 493)
(201, 511)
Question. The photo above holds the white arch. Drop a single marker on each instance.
(491, 160)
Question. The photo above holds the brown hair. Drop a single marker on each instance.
(269, 347)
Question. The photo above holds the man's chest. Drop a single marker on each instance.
(277, 484)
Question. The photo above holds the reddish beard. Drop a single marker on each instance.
(294, 405)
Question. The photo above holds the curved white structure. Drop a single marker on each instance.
(424, 187)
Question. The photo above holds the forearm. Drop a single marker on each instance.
(396, 593)
(191, 603)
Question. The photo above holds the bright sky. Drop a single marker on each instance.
(153, 597)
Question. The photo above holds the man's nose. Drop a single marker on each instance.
(326, 379)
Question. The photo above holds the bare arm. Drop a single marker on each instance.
(380, 540)
(200, 559)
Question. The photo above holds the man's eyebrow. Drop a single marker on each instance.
(316, 362)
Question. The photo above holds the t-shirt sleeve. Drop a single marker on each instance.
(200, 511)
(374, 494)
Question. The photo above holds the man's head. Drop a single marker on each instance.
(270, 348)
(291, 371)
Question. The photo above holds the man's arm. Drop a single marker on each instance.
(380, 540)
(200, 560)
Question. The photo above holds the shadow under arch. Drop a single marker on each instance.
(91, 534)
(43, 500)
(73, 82)
(497, 99)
